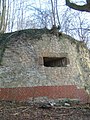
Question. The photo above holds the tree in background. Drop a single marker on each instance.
(74, 24)
(4, 14)
(24, 14)
(55, 15)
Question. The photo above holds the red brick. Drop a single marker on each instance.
(53, 92)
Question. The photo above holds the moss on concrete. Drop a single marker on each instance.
(33, 34)
(6, 37)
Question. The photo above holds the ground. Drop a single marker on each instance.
(23, 111)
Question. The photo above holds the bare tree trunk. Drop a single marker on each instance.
(4, 11)
(53, 13)
(13, 16)
(57, 14)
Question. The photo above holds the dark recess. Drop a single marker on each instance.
(55, 61)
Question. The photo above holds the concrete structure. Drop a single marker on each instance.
(36, 63)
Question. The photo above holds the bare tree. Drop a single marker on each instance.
(22, 15)
(55, 14)
(3, 17)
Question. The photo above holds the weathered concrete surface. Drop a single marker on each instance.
(22, 64)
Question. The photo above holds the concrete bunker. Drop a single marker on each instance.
(41, 64)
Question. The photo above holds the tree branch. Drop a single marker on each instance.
(85, 7)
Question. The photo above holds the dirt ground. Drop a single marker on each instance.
(23, 111)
